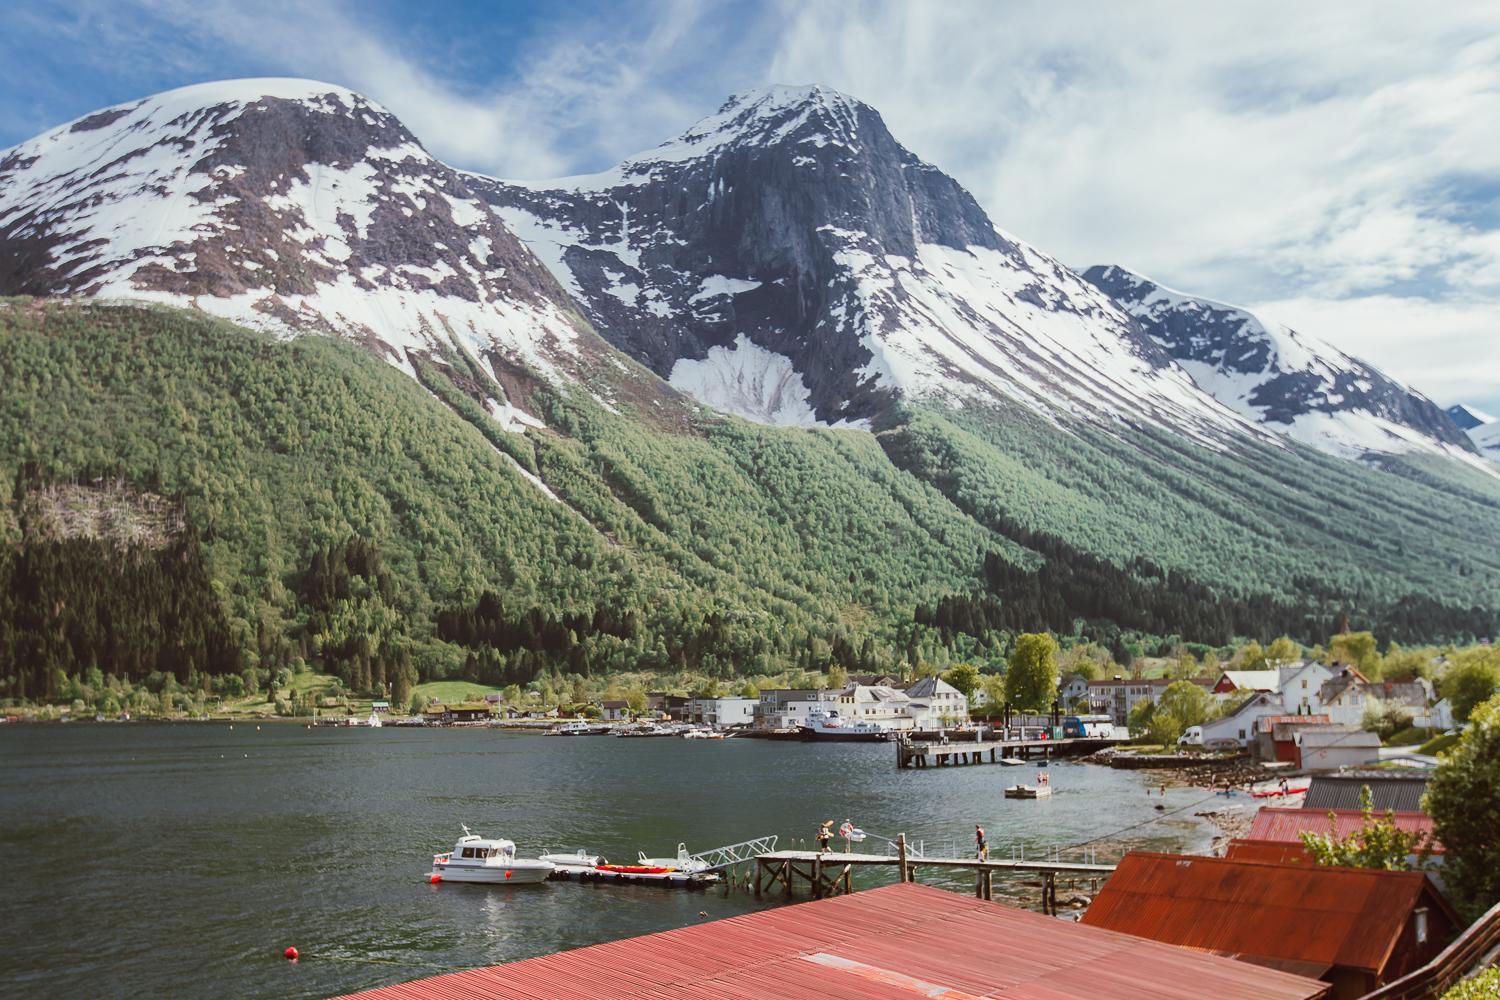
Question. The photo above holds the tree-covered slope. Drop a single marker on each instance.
(181, 495)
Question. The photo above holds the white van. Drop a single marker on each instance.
(1192, 738)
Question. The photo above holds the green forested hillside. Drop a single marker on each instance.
(324, 508)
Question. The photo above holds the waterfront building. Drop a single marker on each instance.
(722, 712)
(884, 706)
(1354, 928)
(1116, 697)
(1240, 725)
(1231, 681)
(1272, 824)
(1328, 748)
(936, 704)
(788, 708)
(1276, 735)
(614, 710)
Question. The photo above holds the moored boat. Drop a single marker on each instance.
(480, 859)
(827, 726)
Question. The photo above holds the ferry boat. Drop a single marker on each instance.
(478, 859)
(827, 726)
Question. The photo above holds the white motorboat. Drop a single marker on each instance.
(684, 862)
(828, 726)
(478, 859)
(374, 722)
(581, 860)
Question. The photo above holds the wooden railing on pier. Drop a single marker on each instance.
(830, 873)
(1478, 945)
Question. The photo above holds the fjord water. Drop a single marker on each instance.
(180, 860)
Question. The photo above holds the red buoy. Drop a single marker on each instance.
(435, 879)
(290, 954)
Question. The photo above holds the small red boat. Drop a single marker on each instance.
(635, 869)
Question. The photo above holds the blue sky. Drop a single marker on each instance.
(1336, 166)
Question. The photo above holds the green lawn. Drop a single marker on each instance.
(451, 691)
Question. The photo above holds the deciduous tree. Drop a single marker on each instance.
(1031, 680)
(1463, 798)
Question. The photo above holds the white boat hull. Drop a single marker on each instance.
(517, 873)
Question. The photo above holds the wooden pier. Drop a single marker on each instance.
(910, 753)
(830, 873)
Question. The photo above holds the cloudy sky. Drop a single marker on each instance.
(1336, 165)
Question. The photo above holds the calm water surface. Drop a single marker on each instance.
(179, 860)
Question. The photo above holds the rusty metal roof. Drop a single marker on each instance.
(1286, 824)
(1278, 851)
(1305, 916)
(894, 943)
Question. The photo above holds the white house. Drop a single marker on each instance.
(788, 708)
(1239, 725)
(722, 712)
(1073, 689)
(1117, 697)
(1247, 680)
(1348, 696)
(936, 704)
(1328, 748)
(612, 711)
(879, 704)
(1300, 686)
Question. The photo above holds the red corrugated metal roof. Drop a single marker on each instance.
(1276, 851)
(894, 943)
(1273, 823)
(1347, 917)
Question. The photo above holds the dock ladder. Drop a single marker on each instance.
(734, 854)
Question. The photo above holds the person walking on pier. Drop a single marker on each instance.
(825, 834)
(981, 846)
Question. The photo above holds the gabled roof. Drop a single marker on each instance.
(898, 942)
(1253, 680)
(1388, 790)
(1294, 915)
(930, 686)
(1286, 825)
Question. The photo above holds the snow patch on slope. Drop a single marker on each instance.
(749, 381)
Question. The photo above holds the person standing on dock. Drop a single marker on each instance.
(981, 846)
(825, 834)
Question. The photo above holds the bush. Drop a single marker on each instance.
(1485, 986)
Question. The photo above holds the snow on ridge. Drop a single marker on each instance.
(752, 382)
(717, 285)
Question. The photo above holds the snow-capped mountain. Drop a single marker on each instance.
(1467, 417)
(787, 259)
(1284, 380)
(283, 204)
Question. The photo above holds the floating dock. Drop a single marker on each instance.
(910, 753)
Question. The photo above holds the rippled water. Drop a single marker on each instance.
(179, 860)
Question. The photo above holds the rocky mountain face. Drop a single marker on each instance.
(282, 204)
(787, 259)
(1270, 374)
(1483, 429)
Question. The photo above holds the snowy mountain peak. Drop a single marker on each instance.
(285, 204)
(1273, 375)
(788, 259)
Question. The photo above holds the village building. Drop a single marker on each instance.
(1230, 681)
(1116, 697)
(1328, 748)
(460, 713)
(673, 706)
(936, 704)
(1273, 824)
(1240, 725)
(1348, 698)
(880, 705)
(1073, 689)
(722, 713)
(1401, 791)
(1355, 928)
(788, 708)
(1276, 735)
(614, 710)
(1300, 686)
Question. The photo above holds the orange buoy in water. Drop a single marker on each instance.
(290, 954)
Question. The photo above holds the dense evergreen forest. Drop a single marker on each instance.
(183, 498)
